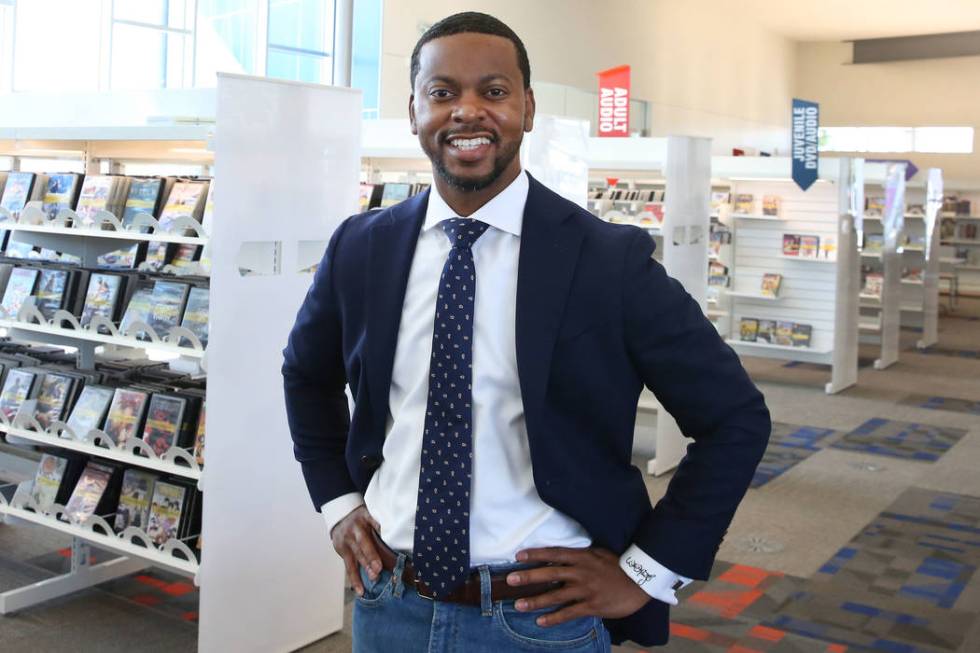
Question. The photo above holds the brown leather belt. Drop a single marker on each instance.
(469, 592)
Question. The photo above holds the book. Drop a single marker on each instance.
(199, 436)
(20, 286)
(392, 194)
(89, 492)
(50, 296)
(101, 297)
(809, 246)
(168, 301)
(791, 245)
(748, 329)
(766, 332)
(874, 243)
(143, 197)
(53, 398)
(138, 310)
(186, 198)
(196, 314)
(364, 197)
(655, 211)
(134, 499)
(744, 203)
(717, 274)
(784, 333)
(771, 282)
(770, 205)
(719, 199)
(17, 192)
(828, 248)
(874, 206)
(912, 274)
(874, 283)
(21, 250)
(90, 409)
(16, 388)
(166, 511)
(99, 193)
(158, 255)
(801, 335)
(163, 422)
(125, 415)
(61, 192)
(47, 481)
(185, 256)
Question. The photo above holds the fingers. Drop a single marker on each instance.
(556, 597)
(353, 575)
(362, 546)
(542, 575)
(573, 611)
(556, 554)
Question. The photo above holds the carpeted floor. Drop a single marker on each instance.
(861, 531)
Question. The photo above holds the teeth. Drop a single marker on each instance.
(470, 143)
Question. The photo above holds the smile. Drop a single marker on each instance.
(469, 143)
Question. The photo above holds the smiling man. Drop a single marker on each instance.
(495, 339)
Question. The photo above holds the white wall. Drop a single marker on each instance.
(707, 71)
(933, 92)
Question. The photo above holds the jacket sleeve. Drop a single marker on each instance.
(314, 383)
(701, 382)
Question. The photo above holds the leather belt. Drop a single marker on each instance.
(469, 592)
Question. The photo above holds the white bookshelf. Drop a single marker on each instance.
(255, 500)
(821, 292)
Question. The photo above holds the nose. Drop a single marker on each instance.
(468, 109)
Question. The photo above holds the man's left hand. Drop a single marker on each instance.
(593, 585)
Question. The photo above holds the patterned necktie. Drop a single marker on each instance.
(442, 519)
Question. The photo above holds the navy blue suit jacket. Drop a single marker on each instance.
(597, 318)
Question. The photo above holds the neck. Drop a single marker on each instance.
(465, 203)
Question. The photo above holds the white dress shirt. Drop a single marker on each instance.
(506, 513)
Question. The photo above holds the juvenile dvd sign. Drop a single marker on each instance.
(806, 156)
(614, 102)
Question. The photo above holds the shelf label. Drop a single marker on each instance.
(806, 155)
(614, 102)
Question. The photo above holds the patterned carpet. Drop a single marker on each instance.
(789, 445)
(943, 403)
(897, 587)
(900, 439)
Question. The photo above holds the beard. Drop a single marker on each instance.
(467, 184)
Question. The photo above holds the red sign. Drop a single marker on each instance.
(614, 102)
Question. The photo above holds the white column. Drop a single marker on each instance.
(687, 218)
(844, 368)
(891, 262)
(269, 578)
(343, 41)
(930, 273)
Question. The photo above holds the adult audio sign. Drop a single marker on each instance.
(806, 156)
(614, 102)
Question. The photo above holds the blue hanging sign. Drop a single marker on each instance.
(806, 157)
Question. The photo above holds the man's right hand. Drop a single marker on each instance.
(353, 539)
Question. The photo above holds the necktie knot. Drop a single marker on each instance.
(463, 232)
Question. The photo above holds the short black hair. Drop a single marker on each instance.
(472, 22)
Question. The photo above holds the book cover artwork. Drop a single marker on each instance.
(100, 299)
(166, 509)
(163, 420)
(52, 398)
(88, 492)
(90, 409)
(47, 481)
(125, 415)
(134, 499)
(196, 314)
(50, 292)
(16, 388)
(20, 286)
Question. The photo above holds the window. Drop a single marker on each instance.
(227, 38)
(52, 48)
(366, 54)
(300, 40)
(936, 140)
(152, 44)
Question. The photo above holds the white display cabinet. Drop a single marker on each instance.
(256, 513)
(960, 245)
(819, 291)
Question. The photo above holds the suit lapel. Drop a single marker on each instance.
(550, 244)
(391, 249)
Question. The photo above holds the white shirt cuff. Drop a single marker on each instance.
(655, 579)
(336, 509)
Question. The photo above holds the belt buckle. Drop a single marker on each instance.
(418, 590)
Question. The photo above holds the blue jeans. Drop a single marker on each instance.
(393, 618)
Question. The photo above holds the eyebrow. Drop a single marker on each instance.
(483, 80)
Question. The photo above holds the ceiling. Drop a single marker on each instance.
(842, 20)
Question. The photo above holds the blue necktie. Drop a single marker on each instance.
(442, 520)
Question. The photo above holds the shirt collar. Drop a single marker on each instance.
(505, 211)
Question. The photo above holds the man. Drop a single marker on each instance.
(495, 339)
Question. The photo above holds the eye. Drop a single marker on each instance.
(497, 92)
(440, 93)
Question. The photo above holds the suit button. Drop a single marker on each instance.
(370, 462)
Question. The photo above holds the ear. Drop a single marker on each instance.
(411, 114)
(529, 109)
